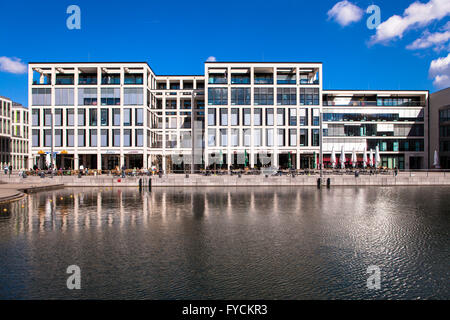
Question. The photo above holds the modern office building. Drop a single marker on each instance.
(5, 131)
(440, 135)
(19, 137)
(237, 114)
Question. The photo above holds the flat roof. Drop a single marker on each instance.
(374, 90)
(266, 62)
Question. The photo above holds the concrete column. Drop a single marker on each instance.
(122, 160)
(229, 156)
(164, 163)
(252, 160)
(275, 158)
(99, 161)
(298, 160)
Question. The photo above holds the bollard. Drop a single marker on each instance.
(150, 184)
(160, 174)
(328, 183)
(319, 183)
(140, 184)
(187, 176)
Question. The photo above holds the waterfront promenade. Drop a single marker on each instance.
(198, 180)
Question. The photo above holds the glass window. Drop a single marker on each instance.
(58, 138)
(110, 96)
(223, 137)
(36, 138)
(116, 117)
(257, 117)
(269, 137)
(269, 117)
(257, 137)
(247, 117)
(70, 137)
(104, 138)
(211, 137)
(81, 117)
(139, 117)
(127, 117)
(47, 138)
(286, 96)
(247, 137)
(116, 137)
(41, 97)
(58, 117)
(63, 97)
(240, 96)
(292, 137)
(104, 117)
(133, 96)
(303, 137)
(217, 96)
(234, 117)
(92, 117)
(35, 115)
(139, 137)
(81, 138)
(87, 96)
(263, 96)
(281, 137)
(280, 117)
(292, 117)
(234, 137)
(70, 117)
(127, 137)
(223, 117)
(211, 117)
(47, 117)
(93, 137)
(315, 137)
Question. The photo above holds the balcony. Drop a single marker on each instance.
(217, 80)
(111, 79)
(134, 79)
(65, 80)
(87, 79)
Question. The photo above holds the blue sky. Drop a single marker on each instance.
(176, 37)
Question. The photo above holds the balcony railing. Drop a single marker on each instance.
(370, 104)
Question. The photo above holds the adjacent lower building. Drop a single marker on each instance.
(5, 131)
(19, 137)
(235, 115)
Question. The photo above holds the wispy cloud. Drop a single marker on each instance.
(211, 59)
(345, 13)
(416, 15)
(12, 65)
(440, 72)
(436, 39)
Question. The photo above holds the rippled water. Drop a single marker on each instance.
(228, 243)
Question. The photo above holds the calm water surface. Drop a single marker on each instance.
(228, 243)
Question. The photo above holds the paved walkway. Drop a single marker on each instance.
(12, 191)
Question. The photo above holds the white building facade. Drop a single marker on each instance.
(235, 115)
(19, 137)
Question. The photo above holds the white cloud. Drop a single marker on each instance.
(211, 59)
(12, 65)
(440, 71)
(345, 13)
(416, 15)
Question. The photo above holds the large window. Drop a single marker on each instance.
(303, 117)
(137, 78)
(70, 117)
(240, 96)
(292, 117)
(223, 138)
(64, 97)
(133, 96)
(269, 137)
(41, 96)
(217, 96)
(47, 117)
(87, 97)
(315, 137)
(92, 117)
(110, 96)
(247, 137)
(127, 137)
(247, 116)
(263, 96)
(234, 137)
(211, 137)
(47, 138)
(281, 137)
(292, 137)
(257, 137)
(309, 96)
(286, 96)
(58, 138)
